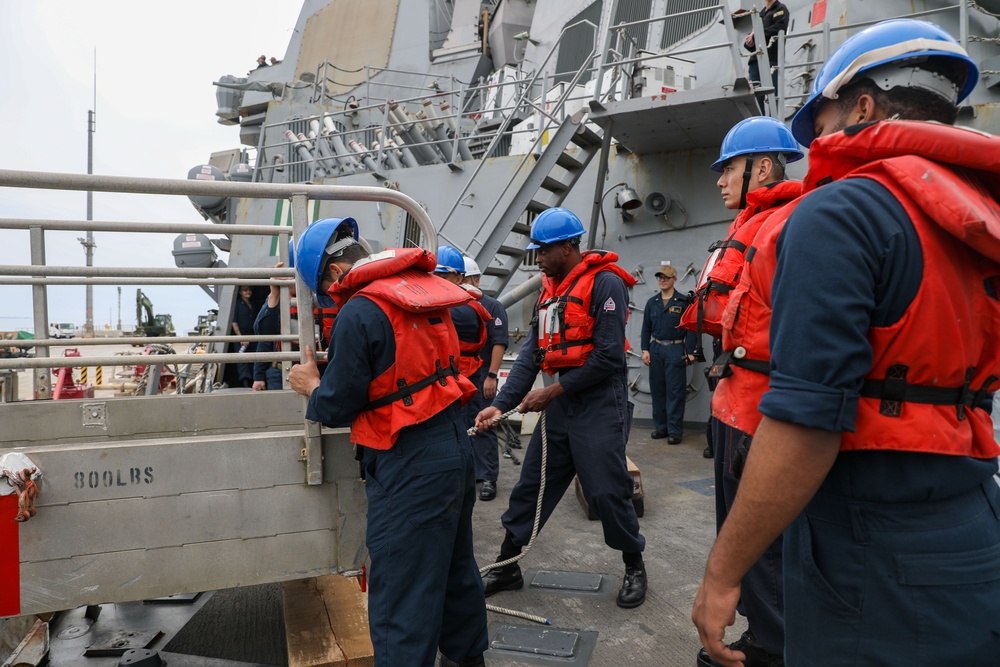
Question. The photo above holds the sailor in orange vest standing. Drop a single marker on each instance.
(875, 454)
(472, 323)
(394, 378)
(751, 165)
(578, 332)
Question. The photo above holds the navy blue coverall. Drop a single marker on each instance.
(587, 428)
(425, 590)
(268, 323)
(896, 549)
(467, 323)
(667, 345)
(243, 318)
(484, 445)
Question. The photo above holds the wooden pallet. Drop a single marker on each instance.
(326, 623)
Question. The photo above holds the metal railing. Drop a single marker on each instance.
(524, 101)
(40, 275)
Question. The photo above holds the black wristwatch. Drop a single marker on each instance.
(491, 375)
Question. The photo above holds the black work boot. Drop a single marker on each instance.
(489, 490)
(475, 661)
(633, 590)
(506, 578)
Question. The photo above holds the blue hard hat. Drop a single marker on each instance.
(321, 240)
(291, 253)
(758, 134)
(883, 43)
(554, 225)
(449, 260)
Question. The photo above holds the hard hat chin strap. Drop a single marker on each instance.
(747, 173)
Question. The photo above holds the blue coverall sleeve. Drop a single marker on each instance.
(608, 306)
(522, 374)
(268, 321)
(847, 259)
(647, 326)
(361, 348)
(260, 367)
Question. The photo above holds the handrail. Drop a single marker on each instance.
(525, 92)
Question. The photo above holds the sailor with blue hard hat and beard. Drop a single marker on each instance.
(875, 454)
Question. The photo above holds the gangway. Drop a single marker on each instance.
(154, 496)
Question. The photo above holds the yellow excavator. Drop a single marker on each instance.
(150, 325)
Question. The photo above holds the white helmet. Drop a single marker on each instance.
(471, 268)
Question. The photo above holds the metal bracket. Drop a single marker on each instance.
(95, 414)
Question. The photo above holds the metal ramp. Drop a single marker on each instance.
(553, 175)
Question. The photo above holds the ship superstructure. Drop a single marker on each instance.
(428, 121)
(489, 112)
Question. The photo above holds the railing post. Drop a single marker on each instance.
(963, 24)
(39, 293)
(313, 447)
(607, 18)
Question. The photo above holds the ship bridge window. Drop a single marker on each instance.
(681, 28)
(578, 42)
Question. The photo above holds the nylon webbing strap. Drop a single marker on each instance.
(894, 390)
(405, 390)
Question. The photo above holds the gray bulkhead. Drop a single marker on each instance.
(422, 59)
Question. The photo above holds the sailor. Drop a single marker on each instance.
(774, 18)
(267, 374)
(394, 379)
(485, 444)
(472, 323)
(875, 445)
(751, 165)
(667, 350)
(578, 332)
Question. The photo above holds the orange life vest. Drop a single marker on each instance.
(424, 379)
(725, 263)
(471, 360)
(325, 317)
(562, 314)
(933, 367)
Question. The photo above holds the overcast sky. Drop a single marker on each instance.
(155, 104)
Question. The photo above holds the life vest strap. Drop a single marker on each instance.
(894, 390)
(406, 391)
(721, 366)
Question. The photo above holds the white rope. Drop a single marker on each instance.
(534, 527)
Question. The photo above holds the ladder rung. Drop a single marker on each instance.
(568, 162)
(586, 137)
(510, 251)
(497, 271)
(521, 228)
(554, 185)
(536, 206)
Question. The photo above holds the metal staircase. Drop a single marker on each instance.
(558, 166)
(554, 174)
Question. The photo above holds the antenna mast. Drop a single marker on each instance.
(88, 243)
